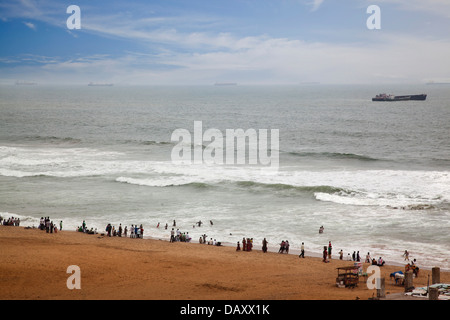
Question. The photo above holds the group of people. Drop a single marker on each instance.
(380, 262)
(247, 244)
(135, 231)
(284, 247)
(176, 236)
(211, 241)
(10, 221)
(83, 228)
(411, 265)
(327, 250)
(326, 253)
(48, 225)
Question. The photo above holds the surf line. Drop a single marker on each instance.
(236, 147)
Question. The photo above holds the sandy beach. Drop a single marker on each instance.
(34, 264)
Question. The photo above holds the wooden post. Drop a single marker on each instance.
(435, 275)
(381, 284)
(409, 281)
(433, 294)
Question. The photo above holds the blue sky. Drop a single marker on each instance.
(244, 41)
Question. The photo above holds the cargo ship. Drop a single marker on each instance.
(25, 83)
(93, 84)
(391, 97)
(221, 84)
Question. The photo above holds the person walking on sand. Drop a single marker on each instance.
(60, 225)
(341, 255)
(302, 252)
(238, 248)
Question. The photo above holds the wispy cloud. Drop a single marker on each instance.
(435, 7)
(315, 4)
(30, 25)
(192, 47)
(265, 61)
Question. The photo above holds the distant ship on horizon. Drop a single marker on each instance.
(309, 83)
(25, 83)
(441, 82)
(93, 84)
(225, 84)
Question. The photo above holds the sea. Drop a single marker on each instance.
(375, 175)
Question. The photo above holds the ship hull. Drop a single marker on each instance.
(420, 97)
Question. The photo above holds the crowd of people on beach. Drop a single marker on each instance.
(355, 256)
(11, 221)
(48, 225)
(178, 236)
(136, 231)
(247, 244)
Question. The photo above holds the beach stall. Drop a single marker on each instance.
(347, 276)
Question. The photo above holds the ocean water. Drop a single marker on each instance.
(374, 174)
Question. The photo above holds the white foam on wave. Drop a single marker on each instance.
(25, 221)
(365, 187)
(159, 182)
(374, 199)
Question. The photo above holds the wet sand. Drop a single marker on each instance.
(33, 266)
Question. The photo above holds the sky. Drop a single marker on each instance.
(185, 42)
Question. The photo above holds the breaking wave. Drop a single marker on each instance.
(332, 155)
(52, 139)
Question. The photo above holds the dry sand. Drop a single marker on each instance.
(33, 265)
